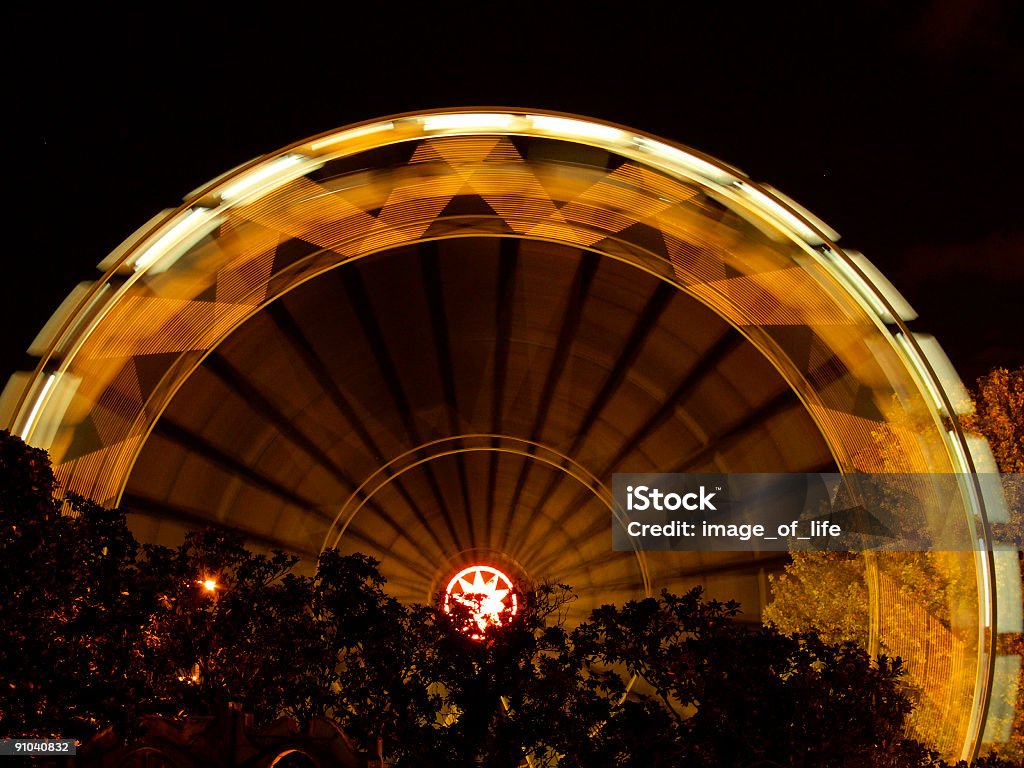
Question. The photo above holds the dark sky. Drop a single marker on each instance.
(900, 128)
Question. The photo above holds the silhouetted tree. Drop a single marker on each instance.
(71, 616)
(97, 632)
(738, 697)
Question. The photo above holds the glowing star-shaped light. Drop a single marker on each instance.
(487, 592)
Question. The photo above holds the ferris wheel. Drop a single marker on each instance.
(434, 337)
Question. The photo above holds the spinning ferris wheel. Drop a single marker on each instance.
(434, 337)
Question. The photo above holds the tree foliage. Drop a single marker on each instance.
(107, 631)
(69, 607)
(827, 593)
(821, 592)
(741, 698)
(999, 417)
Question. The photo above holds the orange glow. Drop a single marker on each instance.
(209, 585)
(487, 592)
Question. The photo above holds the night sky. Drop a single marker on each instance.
(900, 128)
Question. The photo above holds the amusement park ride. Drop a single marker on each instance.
(435, 337)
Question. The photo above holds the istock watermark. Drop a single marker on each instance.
(814, 511)
(642, 497)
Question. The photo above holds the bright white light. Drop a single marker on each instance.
(351, 135)
(69, 308)
(777, 212)
(209, 585)
(964, 477)
(961, 456)
(982, 456)
(190, 227)
(476, 121)
(34, 413)
(1005, 684)
(986, 582)
(488, 594)
(114, 259)
(911, 356)
(859, 285)
(1008, 588)
(264, 178)
(804, 214)
(577, 129)
(679, 160)
(948, 378)
(882, 285)
(989, 478)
